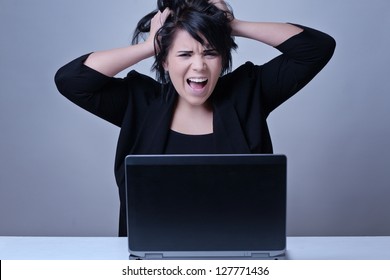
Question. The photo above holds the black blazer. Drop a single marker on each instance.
(242, 101)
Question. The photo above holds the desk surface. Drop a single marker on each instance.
(115, 248)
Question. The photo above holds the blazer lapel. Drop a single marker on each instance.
(155, 128)
(228, 134)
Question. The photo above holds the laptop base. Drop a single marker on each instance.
(226, 256)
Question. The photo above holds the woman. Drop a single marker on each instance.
(196, 105)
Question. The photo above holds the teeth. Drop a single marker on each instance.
(197, 80)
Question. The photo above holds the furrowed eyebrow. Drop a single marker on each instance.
(206, 51)
(210, 50)
(184, 52)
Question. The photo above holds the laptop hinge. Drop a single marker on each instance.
(153, 256)
(260, 255)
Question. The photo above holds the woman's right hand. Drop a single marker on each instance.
(155, 24)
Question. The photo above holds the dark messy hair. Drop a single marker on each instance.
(201, 19)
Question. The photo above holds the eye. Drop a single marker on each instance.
(211, 53)
(184, 54)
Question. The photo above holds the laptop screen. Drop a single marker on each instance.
(206, 203)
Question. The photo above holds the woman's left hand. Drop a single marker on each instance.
(221, 4)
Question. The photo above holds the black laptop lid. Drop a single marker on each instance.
(206, 202)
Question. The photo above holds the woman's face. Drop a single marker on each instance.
(193, 68)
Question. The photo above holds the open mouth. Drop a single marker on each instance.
(197, 83)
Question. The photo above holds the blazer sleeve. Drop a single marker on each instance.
(303, 56)
(106, 97)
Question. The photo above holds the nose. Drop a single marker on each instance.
(198, 63)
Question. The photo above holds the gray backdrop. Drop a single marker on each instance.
(56, 160)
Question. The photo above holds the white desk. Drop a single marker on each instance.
(115, 248)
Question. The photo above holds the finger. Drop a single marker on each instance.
(164, 15)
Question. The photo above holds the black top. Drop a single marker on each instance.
(242, 101)
(178, 143)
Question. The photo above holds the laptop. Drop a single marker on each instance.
(206, 206)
